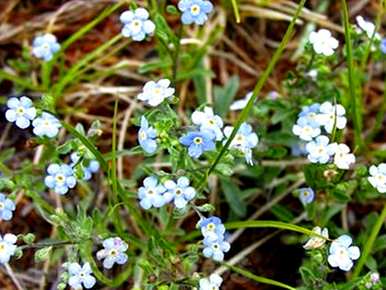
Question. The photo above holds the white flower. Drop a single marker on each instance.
(377, 177)
(331, 115)
(208, 121)
(213, 282)
(342, 253)
(80, 276)
(46, 125)
(366, 26)
(305, 129)
(137, 24)
(343, 159)
(7, 247)
(154, 93)
(21, 111)
(317, 242)
(319, 151)
(113, 252)
(242, 103)
(323, 42)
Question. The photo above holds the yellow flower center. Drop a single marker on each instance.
(20, 110)
(59, 178)
(2, 206)
(195, 9)
(197, 140)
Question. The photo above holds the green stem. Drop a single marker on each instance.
(370, 242)
(5, 170)
(258, 279)
(256, 91)
(356, 102)
(236, 10)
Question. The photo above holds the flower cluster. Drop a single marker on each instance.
(213, 282)
(21, 111)
(155, 194)
(318, 118)
(214, 242)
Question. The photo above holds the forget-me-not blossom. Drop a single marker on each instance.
(208, 121)
(306, 195)
(7, 247)
(342, 254)
(310, 113)
(212, 228)
(305, 129)
(198, 142)
(46, 125)
(151, 194)
(316, 242)
(113, 252)
(60, 178)
(7, 206)
(331, 115)
(377, 177)
(21, 111)
(383, 45)
(195, 11)
(45, 46)
(154, 93)
(319, 150)
(80, 276)
(244, 140)
(181, 191)
(323, 42)
(137, 24)
(147, 137)
(213, 282)
(215, 249)
(343, 159)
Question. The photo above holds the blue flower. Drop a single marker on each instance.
(195, 11)
(113, 252)
(80, 276)
(7, 247)
(137, 24)
(383, 45)
(60, 178)
(198, 142)
(320, 151)
(244, 140)
(21, 111)
(310, 113)
(215, 249)
(7, 206)
(212, 228)
(306, 195)
(89, 167)
(181, 191)
(305, 129)
(342, 254)
(46, 125)
(299, 149)
(208, 121)
(45, 46)
(152, 194)
(154, 93)
(147, 137)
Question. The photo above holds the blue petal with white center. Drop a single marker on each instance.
(195, 11)
(60, 178)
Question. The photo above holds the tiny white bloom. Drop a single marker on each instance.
(343, 159)
(136, 24)
(113, 252)
(242, 103)
(320, 151)
(305, 129)
(342, 254)
(213, 282)
(154, 93)
(7, 247)
(366, 26)
(208, 121)
(21, 111)
(317, 242)
(323, 42)
(377, 177)
(80, 276)
(46, 125)
(331, 115)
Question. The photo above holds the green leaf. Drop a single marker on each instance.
(282, 213)
(223, 96)
(232, 195)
